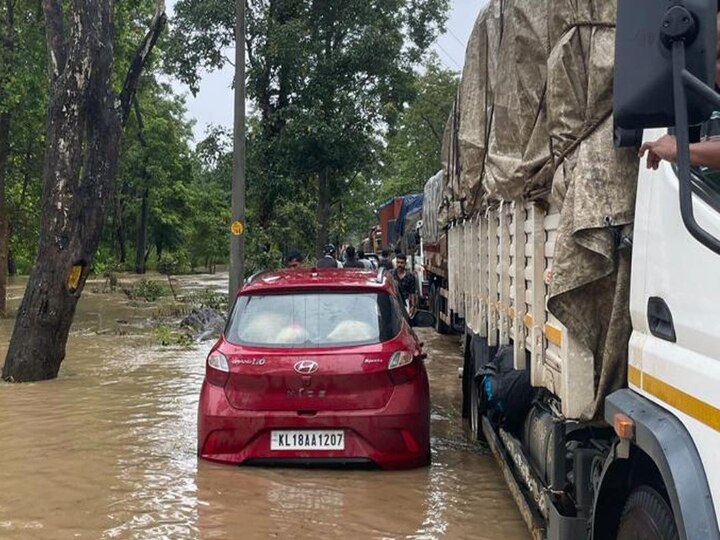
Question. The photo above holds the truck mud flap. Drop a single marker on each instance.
(532, 517)
(565, 528)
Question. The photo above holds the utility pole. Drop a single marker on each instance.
(237, 242)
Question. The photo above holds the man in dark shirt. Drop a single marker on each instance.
(328, 259)
(351, 261)
(367, 263)
(405, 282)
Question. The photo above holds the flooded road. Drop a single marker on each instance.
(107, 451)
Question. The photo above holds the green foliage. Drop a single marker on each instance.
(329, 79)
(164, 335)
(158, 160)
(413, 151)
(208, 298)
(334, 90)
(146, 289)
(105, 261)
(167, 337)
(173, 263)
(23, 95)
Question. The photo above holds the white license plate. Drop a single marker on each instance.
(307, 440)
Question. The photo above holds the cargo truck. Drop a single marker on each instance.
(587, 286)
(400, 222)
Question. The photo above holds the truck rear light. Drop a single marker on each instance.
(217, 370)
(402, 367)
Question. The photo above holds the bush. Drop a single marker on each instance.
(208, 298)
(167, 338)
(23, 264)
(105, 262)
(147, 290)
(174, 263)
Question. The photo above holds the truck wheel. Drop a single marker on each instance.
(647, 517)
(440, 326)
(475, 422)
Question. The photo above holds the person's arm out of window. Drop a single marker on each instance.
(705, 154)
(702, 154)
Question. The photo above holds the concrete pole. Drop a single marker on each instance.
(237, 242)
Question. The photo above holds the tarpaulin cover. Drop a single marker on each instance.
(410, 203)
(533, 119)
(431, 205)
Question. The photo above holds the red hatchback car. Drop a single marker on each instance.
(317, 367)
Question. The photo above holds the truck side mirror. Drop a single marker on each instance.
(643, 86)
(662, 49)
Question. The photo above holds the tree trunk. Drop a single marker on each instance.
(120, 237)
(4, 236)
(119, 222)
(323, 211)
(7, 38)
(141, 244)
(141, 253)
(80, 165)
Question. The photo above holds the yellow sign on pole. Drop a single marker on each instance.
(237, 228)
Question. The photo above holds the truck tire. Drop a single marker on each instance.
(647, 516)
(472, 392)
(474, 419)
(436, 302)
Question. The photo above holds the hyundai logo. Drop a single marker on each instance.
(306, 367)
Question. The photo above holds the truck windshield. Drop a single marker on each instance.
(314, 319)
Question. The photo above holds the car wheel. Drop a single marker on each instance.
(647, 516)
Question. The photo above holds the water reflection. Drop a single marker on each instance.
(108, 451)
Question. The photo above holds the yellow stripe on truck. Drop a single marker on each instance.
(677, 399)
(635, 376)
(682, 401)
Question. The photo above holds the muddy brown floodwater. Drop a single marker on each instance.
(107, 451)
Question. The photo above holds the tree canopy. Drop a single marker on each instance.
(346, 108)
(329, 80)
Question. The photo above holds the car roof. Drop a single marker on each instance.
(337, 280)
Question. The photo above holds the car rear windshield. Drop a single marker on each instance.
(314, 319)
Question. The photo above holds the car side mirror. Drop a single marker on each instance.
(663, 48)
(643, 90)
(423, 319)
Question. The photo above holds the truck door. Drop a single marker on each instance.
(675, 307)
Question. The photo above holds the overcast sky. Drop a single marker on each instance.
(213, 104)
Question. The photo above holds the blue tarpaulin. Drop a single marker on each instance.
(410, 205)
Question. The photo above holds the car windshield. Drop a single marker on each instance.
(314, 319)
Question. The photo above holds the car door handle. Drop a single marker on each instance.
(660, 319)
